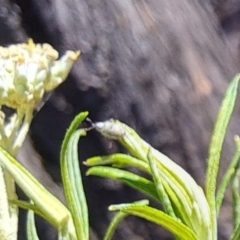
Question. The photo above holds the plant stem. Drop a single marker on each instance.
(12, 144)
(13, 209)
(5, 222)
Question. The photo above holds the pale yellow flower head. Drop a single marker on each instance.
(27, 71)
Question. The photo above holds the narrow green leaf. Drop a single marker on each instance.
(63, 229)
(133, 180)
(73, 127)
(74, 188)
(55, 211)
(29, 207)
(72, 180)
(228, 176)
(173, 174)
(114, 224)
(163, 196)
(236, 198)
(118, 160)
(216, 145)
(236, 233)
(31, 228)
(160, 218)
(179, 185)
(119, 218)
(116, 207)
(32, 209)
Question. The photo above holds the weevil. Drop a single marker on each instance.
(111, 129)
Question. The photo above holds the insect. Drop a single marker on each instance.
(112, 129)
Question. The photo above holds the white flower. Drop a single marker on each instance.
(27, 71)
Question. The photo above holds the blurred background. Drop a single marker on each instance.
(161, 67)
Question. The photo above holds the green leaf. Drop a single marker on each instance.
(114, 224)
(53, 209)
(236, 198)
(119, 218)
(31, 228)
(139, 149)
(228, 176)
(133, 180)
(118, 160)
(160, 218)
(30, 207)
(72, 180)
(186, 196)
(116, 207)
(216, 146)
(163, 196)
(236, 233)
(73, 127)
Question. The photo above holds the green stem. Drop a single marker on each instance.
(14, 143)
(13, 209)
(5, 224)
(19, 139)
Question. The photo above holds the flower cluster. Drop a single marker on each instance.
(27, 71)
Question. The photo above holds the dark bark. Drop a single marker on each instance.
(160, 66)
